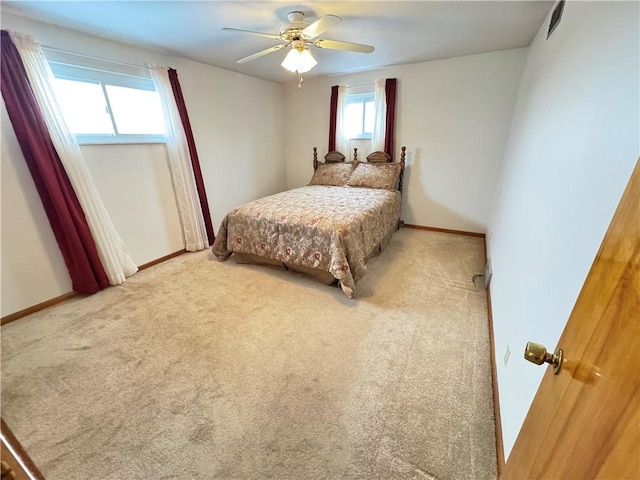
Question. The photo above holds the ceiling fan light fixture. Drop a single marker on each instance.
(299, 59)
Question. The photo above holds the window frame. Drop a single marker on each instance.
(102, 72)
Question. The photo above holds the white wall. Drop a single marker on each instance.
(452, 115)
(237, 125)
(573, 144)
(32, 266)
(143, 193)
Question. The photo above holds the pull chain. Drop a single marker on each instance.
(300, 80)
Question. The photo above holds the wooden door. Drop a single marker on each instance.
(584, 423)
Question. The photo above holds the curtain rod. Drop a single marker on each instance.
(51, 49)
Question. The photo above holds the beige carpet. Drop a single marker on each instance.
(196, 369)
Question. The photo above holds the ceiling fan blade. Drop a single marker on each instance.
(272, 36)
(321, 25)
(336, 45)
(266, 51)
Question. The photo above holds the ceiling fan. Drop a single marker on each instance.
(299, 34)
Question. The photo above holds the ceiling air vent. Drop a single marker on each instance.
(555, 17)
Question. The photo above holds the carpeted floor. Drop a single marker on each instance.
(196, 369)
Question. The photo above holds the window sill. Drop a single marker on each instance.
(119, 139)
(109, 144)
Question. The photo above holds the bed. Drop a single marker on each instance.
(327, 229)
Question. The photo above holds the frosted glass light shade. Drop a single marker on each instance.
(299, 60)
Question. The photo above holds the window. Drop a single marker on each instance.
(359, 115)
(106, 103)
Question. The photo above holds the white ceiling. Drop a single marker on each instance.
(402, 32)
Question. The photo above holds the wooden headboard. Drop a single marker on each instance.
(331, 157)
(375, 157)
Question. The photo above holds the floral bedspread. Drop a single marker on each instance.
(323, 227)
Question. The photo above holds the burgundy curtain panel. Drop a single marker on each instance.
(390, 87)
(193, 153)
(333, 117)
(58, 197)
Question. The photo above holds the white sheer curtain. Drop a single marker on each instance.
(114, 256)
(380, 115)
(184, 183)
(342, 142)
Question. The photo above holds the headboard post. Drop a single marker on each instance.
(402, 156)
(315, 158)
(355, 154)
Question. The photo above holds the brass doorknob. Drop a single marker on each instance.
(536, 353)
